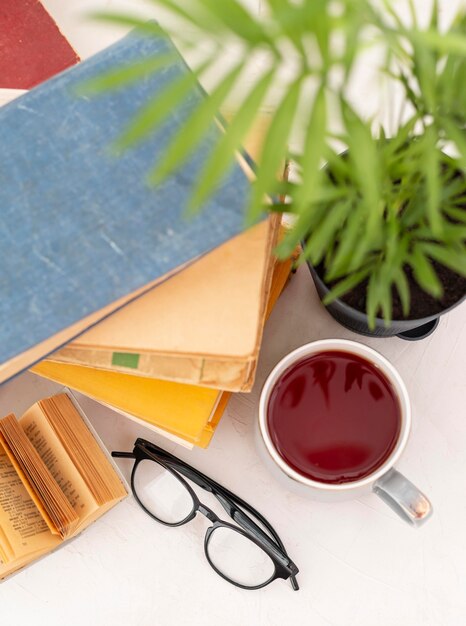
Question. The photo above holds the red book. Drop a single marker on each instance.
(32, 48)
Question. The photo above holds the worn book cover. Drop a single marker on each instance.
(81, 232)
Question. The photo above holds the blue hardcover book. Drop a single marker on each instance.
(81, 233)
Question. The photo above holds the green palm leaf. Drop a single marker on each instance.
(322, 236)
(454, 258)
(120, 19)
(301, 229)
(289, 20)
(342, 257)
(195, 128)
(123, 76)
(345, 285)
(458, 137)
(365, 161)
(238, 20)
(223, 154)
(431, 167)
(451, 43)
(424, 70)
(313, 152)
(402, 286)
(385, 300)
(274, 149)
(194, 16)
(153, 114)
(373, 298)
(424, 273)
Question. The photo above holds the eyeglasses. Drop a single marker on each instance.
(242, 553)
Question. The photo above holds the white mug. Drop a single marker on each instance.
(394, 489)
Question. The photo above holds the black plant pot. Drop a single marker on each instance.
(411, 330)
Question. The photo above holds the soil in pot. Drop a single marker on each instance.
(422, 304)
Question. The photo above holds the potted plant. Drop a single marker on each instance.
(380, 212)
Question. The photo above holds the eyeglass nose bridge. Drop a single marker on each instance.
(208, 513)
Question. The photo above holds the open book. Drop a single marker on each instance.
(54, 480)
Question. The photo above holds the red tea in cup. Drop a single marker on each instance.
(334, 417)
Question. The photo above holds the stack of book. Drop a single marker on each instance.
(107, 286)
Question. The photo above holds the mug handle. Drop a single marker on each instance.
(403, 497)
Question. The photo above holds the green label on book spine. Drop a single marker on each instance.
(125, 359)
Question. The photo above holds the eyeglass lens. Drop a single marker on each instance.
(161, 493)
(238, 558)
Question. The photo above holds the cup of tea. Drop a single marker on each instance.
(334, 418)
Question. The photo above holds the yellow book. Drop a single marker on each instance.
(182, 410)
(187, 411)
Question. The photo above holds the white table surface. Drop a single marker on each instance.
(359, 564)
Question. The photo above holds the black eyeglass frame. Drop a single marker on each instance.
(284, 567)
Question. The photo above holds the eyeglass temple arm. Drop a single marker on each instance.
(123, 455)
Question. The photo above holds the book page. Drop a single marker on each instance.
(58, 462)
(62, 515)
(29, 488)
(23, 529)
(84, 447)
